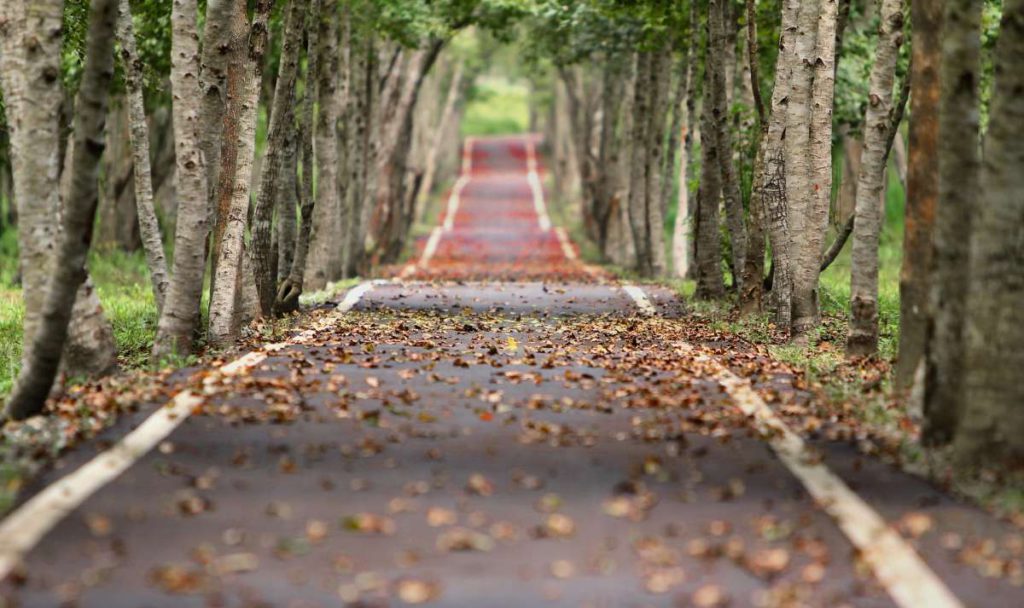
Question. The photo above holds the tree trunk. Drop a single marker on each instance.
(752, 286)
(33, 97)
(364, 76)
(681, 124)
(287, 201)
(40, 368)
(991, 429)
(619, 153)
(681, 227)
(922, 188)
(117, 219)
(225, 147)
(180, 316)
(292, 286)
(437, 141)
(654, 206)
(388, 228)
(227, 287)
(772, 180)
(716, 77)
(959, 170)
(223, 44)
(149, 228)
(638, 159)
(273, 159)
(710, 283)
(863, 336)
(325, 261)
(809, 154)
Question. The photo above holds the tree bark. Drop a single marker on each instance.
(223, 43)
(227, 285)
(752, 285)
(40, 368)
(809, 154)
(390, 214)
(33, 96)
(710, 283)
(180, 317)
(991, 430)
(437, 141)
(863, 334)
(287, 201)
(325, 257)
(291, 288)
(117, 220)
(362, 150)
(638, 159)
(770, 183)
(681, 122)
(959, 185)
(273, 159)
(922, 188)
(723, 138)
(149, 227)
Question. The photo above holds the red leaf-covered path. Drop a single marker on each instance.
(554, 439)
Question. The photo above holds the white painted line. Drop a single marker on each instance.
(543, 219)
(356, 293)
(26, 526)
(640, 298)
(563, 240)
(895, 564)
(467, 156)
(431, 246)
(907, 578)
(453, 202)
(407, 271)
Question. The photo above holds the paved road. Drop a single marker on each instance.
(463, 443)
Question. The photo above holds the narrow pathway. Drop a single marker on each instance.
(551, 439)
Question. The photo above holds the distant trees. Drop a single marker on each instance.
(340, 60)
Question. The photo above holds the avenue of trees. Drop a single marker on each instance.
(259, 149)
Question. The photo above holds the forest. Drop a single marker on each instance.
(837, 185)
(296, 146)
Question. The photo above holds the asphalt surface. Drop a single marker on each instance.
(474, 443)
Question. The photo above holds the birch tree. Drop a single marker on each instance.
(226, 291)
(292, 286)
(180, 316)
(863, 334)
(149, 227)
(324, 263)
(40, 367)
(273, 159)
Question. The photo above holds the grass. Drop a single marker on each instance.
(122, 283)
(497, 106)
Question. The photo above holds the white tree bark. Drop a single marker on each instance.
(180, 315)
(863, 337)
(149, 228)
(225, 299)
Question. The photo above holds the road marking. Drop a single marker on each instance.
(453, 203)
(355, 294)
(543, 219)
(895, 564)
(567, 248)
(467, 156)
(25, 527)
(640, 298)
